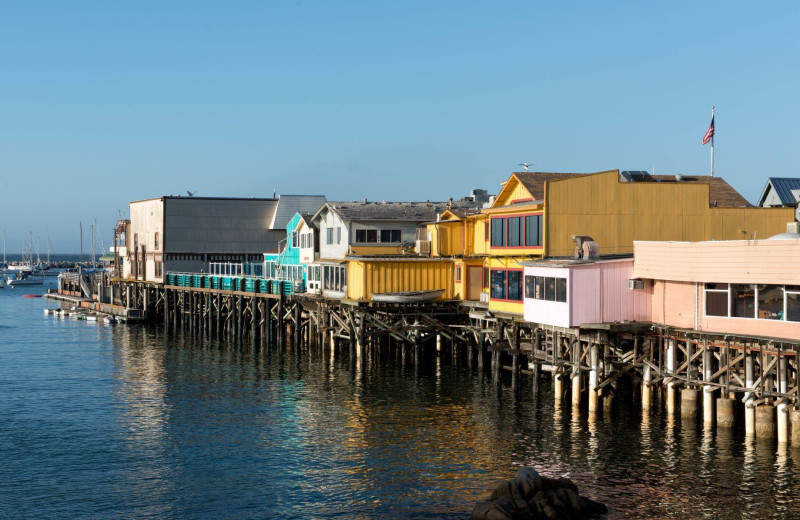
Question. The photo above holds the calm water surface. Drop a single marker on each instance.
(101, 421)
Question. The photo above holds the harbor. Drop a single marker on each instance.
(418, 260)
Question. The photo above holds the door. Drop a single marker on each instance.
(474, 282)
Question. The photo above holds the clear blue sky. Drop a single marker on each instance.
(106, 102)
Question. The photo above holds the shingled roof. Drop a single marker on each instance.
(721, 194)
(408, 211)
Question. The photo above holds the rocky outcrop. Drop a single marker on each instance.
(530, 496)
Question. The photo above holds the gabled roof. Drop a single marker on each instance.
(305, 218)
(395, 211)
(289, 205)
(783, 187)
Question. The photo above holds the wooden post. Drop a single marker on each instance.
(481, 348)
(594, 362)
(280, 323)
(298, 333)
(576, 373)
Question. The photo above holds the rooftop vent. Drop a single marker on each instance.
(585, 247)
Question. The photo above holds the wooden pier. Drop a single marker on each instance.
(719, 379)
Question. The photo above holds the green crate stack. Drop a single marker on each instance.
(263, 286)
(197, 280)
(227, 283)
(251, 285)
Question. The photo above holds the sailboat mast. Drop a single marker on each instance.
(49, 246)
(81, 224)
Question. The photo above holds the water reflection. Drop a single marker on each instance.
(207, 429)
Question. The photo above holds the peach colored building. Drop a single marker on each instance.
(737, 287)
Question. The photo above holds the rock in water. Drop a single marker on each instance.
(530, 496)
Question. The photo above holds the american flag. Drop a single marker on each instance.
(709, 132)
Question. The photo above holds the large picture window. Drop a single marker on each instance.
(517, 231)
(763, 302)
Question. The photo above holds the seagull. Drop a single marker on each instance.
(191, 193)
(526, 165)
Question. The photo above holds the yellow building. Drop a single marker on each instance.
(536, 215)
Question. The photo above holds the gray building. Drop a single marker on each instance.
(185, 234)
(376, 228)
(781, 192)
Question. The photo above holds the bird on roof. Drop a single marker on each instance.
(191, 193)
(526, 165)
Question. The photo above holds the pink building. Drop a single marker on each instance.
(737, 287)
(572, 292)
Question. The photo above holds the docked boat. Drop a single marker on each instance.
(408, 296)
(24, 280)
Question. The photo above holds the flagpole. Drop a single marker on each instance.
(712, 143)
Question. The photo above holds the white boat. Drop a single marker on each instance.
(408, 296)
(14, 282)
(91, 317)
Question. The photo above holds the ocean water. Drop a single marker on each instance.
(126, 421)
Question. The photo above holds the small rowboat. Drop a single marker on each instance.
(31, 295)
(408, 296)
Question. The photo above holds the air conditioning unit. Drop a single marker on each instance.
(635, 284)
(423, 247)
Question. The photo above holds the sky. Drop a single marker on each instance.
(102, 103)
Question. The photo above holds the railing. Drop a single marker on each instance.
(250, 284)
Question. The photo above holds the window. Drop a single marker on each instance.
(546, 288)
(338, 235)
(770, 302)
(485, 277)
(458, 273)
(158, 269)
(390, 235)
(498, 284)
(529, 286)
(717, 299)
(550, 289)
(135, 241)
(295, 239)
(329, 236)
(156, 245)
(498, 232)
(514, 231)
(792, 293)
(335, 278)
(533, 230)
(743, 301)
(515, 285)
(561, 289)
(366, 235)
(486, 230)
